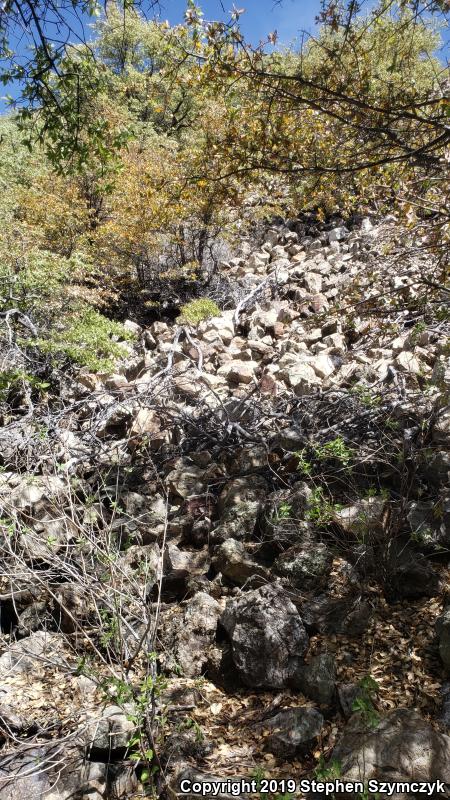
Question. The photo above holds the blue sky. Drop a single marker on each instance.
(260, 18)
(288, 17)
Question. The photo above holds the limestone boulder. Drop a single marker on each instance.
(403, 747)
(293, 731)
(232, 560)
(267, 636)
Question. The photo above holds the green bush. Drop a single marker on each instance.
(320, 510)
(198, 310)
(313, 455)
(35, 279)
(14, 378)
(39, 284)
(87, 340)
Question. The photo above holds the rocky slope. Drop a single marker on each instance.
(230, 557)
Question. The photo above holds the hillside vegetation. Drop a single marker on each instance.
(224, 399)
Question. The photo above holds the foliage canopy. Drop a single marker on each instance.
(137, 152)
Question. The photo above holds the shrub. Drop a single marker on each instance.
(35, 279)
(87, 340)
(198, 310)
(336, 449)
(11, 379)
(368, 688)
(314, 455)
(43, 285)
(320, 511)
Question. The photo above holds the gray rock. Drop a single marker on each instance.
(238, 371)
(287, 315)
(347, 615)
(110, 730)
(437, 468)
(115, 420)
(115, 382)
(149, 341)
(336, 342)
(188, 479)
(305, 565)
(259, 259)
(318, 679)
(247, 460)
(132, 327)
(347, 694)
(268, 638)
(233, 561)
(430, 523)
(48, 536)
(409, 363)
(441, 429)
(337, 234)
(15, 443)
(29, 492)
(283, 521)
(134, 365)
(313, 336)
(443, 632)
(181, 746)
(293, 730)
(408, 574)
(239, 506)
(38, 773)
(403, 747)
(72, 450)
(312, 282)
(323, 365)
(302, 378)
(160, 329)
(238, 523)
(10, 720)
(197, 632)
(222, 326)
(146, 423)
(23, 656)
(272, 236)
(318, 303)
(445, 711)
(315, 246)
(139, 567)
(366, 225)
(188, 386)
(331, 327)
(182, 564)
(146, 515)
(33, 618)
(278, 252)
(266, 319)
(290, 439)
(441, 373)
(364, 519)
(299, 498)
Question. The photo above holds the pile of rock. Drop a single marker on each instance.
(262, 469)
